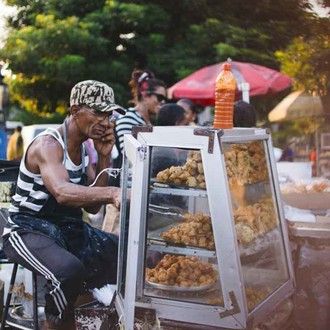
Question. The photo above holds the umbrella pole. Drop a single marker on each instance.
(245, 88)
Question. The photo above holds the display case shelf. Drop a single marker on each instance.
(191, 192)
(161, 246)
(260, 244)
(213, 296)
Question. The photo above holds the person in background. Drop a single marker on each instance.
(287, 154)
(148, 95)
(190, 111)
(244, 114)
(15, 145)
(91, 152)
(45, 231)
(96, 219)
(3, 143)
(171, 114)
(313, 160)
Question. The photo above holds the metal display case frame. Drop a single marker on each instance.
(234, 313)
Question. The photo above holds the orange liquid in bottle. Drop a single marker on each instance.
(225, 88)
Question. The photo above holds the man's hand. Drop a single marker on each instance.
(116, 194)
(105, 143)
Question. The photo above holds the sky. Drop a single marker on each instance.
(319, 10)
(5, 11)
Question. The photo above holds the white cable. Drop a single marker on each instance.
(111, 171)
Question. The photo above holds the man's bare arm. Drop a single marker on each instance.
(102, 181)
(103, 147)
(47, 155)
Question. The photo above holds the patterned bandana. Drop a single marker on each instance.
(96, 95)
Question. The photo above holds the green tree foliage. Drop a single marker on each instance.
(307, 60)
(53, 44)
(307, 57)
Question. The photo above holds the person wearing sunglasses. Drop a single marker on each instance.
(190, 110)
(149, 94)
(45, 231)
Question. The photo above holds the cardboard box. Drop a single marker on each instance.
(308, 201)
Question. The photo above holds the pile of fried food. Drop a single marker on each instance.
(182, 271)
(254, 220)
(307, 186)
(251, 221)
(191, 174)
(246, 163)
(253, 296)
(196, 230)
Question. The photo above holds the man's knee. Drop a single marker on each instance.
(72, 269)
(9, 251)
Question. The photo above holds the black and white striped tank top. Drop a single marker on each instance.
(31, 194)
(125, 123)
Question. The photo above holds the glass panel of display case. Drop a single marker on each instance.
(183, 277)
(177, 167)
(180, 261)
(256, 218)
(125, 211)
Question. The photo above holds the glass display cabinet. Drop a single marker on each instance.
(203, 238)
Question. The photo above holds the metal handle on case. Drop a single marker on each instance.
(163, 210)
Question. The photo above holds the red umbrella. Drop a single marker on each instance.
(199, 86)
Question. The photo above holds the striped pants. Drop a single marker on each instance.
(63, 270)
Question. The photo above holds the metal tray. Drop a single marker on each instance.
(155, 233)
(260, 243)
(181, 288)
(157, 184)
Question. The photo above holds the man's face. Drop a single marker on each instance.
(94, 123)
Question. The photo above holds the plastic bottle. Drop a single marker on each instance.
(225, 88)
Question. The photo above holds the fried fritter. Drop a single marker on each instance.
(182, 271)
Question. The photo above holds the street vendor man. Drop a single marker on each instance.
(45, 231)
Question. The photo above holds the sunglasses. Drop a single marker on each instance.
(160, 97)
(100, 115)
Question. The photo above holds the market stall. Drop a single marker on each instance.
(307, 211)
(298, 105)
(203, 239)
